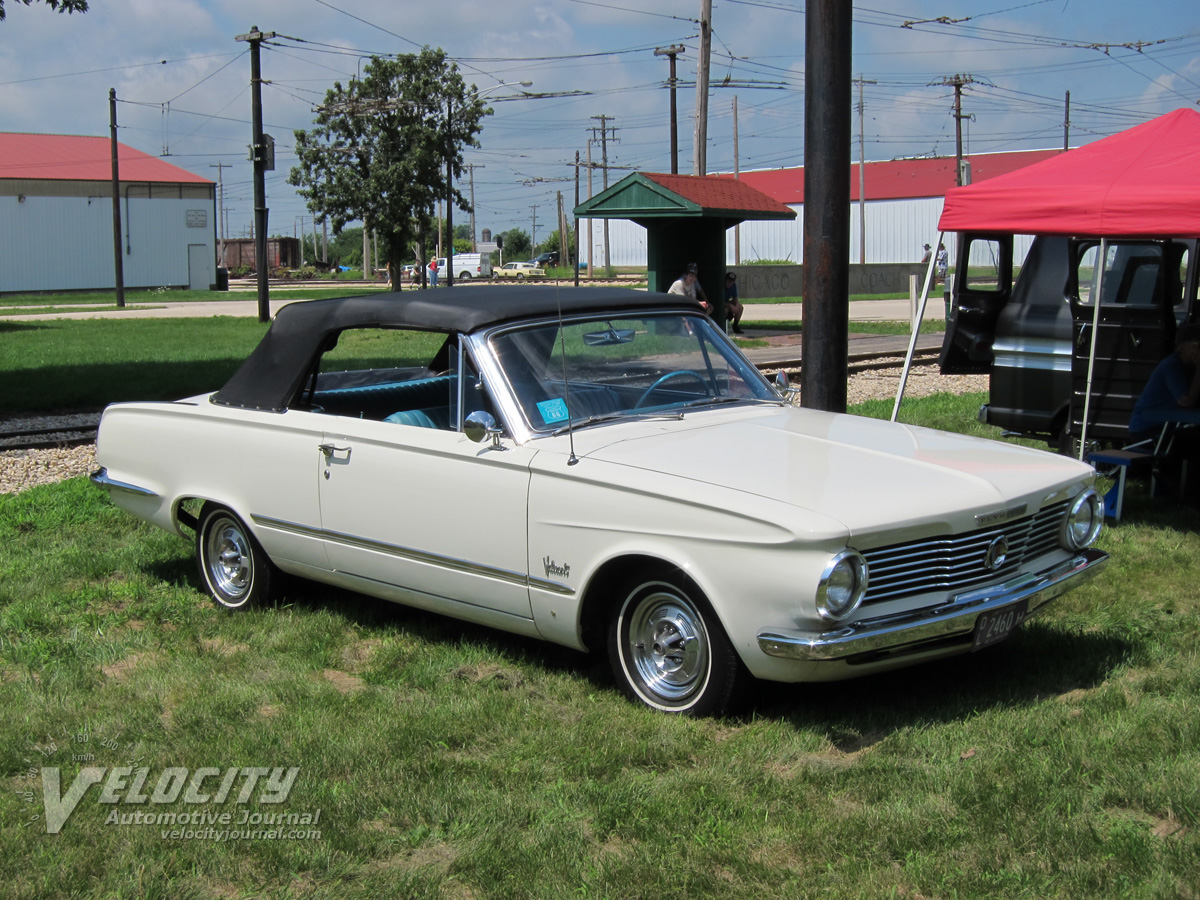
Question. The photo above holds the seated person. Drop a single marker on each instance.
(1172, 394)
(687, 285)
(733, 306)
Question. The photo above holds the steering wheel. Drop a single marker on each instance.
(665, 378)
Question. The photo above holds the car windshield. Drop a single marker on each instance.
(601, 368)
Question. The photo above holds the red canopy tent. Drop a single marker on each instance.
(1143, 182)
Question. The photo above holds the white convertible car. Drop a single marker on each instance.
(603, 469)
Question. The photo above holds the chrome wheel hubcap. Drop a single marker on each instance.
(229, 561)
(668, 646)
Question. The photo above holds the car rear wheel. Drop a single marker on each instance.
(520, 276)
(668, 650)
(235, 570)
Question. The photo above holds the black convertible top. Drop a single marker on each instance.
(276, 368)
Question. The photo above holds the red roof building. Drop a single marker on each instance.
(71, 157)
(56, 215)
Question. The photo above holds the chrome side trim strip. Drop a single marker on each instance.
(100, 479)
(910, 630)
(407, 553)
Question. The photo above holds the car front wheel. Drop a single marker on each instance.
(668, 650)
(235, 570)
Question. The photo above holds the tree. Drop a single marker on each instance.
(379, 147)
(517, 244)
(62, 6)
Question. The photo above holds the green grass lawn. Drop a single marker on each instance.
(447, 760)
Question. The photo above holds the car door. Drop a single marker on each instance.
(1138, 310)
(982, 287)
(427, 511)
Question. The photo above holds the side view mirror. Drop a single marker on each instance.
(784, 386)
(479, 424)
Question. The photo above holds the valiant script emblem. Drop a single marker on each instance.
(553, 568)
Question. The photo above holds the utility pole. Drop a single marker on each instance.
(118, 257)
(471, 167)
(449, 197)
(670, 53)
(533, 236)
(220, 167)
(576, 206)
(737, 174)
(589, 228)
(1067, 123)
(604, 129)
(263, 158)
(958, 81)
(862, 177)
(700, 160)
(827, 93)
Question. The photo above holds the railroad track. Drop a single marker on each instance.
(84, 432)
(863, 362)
(54, 436)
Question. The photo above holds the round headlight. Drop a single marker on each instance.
(1082, 524)
(842, 586)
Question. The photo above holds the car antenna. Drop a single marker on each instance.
(562, 346)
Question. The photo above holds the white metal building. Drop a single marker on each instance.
(56, 218)
(903, 203)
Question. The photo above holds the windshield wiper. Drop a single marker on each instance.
(624, 414)
(706, 401)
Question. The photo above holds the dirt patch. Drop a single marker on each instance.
(222, 647)
(120, 670)
(359, 654)
(344, 681)
(491, 673)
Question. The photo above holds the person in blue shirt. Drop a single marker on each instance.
(1172, 394)
(733, 306)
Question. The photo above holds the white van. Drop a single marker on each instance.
(468, 266)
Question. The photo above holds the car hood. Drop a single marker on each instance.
(865, 473)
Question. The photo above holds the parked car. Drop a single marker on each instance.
(519, 271)
(602, 469)
(1033, 336)
(549, 258)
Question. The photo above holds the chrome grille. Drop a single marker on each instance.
(953, 564)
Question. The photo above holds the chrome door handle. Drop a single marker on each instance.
(331, 449)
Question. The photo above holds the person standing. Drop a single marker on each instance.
(433, 272)
(943, 263)
(733, 306)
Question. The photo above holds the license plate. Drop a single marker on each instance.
(995, 625)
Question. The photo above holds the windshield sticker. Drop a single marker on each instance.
(553, 410)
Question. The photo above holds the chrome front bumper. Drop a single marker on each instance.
(898, 633)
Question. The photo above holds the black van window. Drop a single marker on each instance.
(983, 265)
(1132, 274)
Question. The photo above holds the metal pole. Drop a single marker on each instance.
(449, 198)
(591, 248)
(671, 53)
(259, 150)
(699, 159)
(1087, 397)
(737, 174)
(118, 258)
(826, 204)
(916, 329)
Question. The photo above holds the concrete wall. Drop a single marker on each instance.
(761, 282)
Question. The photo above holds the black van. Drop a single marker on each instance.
(1034, 335)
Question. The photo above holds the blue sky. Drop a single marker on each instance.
(183, 80)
